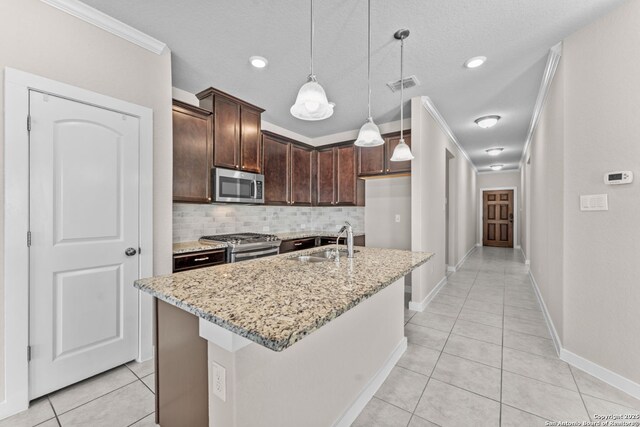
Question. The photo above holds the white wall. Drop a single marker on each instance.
(42, 40)
(500, 180)
(429, 145)
(386, 198)
(586, 263)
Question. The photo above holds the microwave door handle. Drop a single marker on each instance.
(253, 189)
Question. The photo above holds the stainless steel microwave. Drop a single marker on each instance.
(231, 186)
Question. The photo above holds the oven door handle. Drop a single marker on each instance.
(241, 255)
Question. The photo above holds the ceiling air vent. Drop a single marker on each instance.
(408, 82)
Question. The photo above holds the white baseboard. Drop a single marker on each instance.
(527, 262)
(609, 377)
(517, 247)
(547, 317)
(451, 268)
(524, 256)
(420, 306)
(478, 245)
(372, 386)
(464, 258)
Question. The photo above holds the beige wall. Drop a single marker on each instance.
(386, 198)
(499, 180)
(602, 254)
(39, 39)
(430, 145)
(546, 170)
(586, 263)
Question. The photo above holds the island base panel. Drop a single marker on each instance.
(316, 381)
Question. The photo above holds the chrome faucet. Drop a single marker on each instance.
(349, 230)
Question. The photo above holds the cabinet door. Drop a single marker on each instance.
(275, 167)
(346, 175)
(326, 177)
(249, 139)
(226, 139)
(301, 178)
(370, 160)
(192, 139)
(396, 167)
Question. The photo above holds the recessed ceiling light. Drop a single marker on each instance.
(258, 61)
(494, 151)
(475, 62)
(487, 121)
(496, 167)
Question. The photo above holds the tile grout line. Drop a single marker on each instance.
(502, 358)
(102, 395)
(442, 351)
(55, 413)
(137, 421)
(580, 393)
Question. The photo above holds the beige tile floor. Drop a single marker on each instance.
(121, 397)
(481, 355)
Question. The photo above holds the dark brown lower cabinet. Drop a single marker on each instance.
(357, 241)
(182, 380)
(297, 244)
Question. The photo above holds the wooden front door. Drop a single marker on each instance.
(497, 218)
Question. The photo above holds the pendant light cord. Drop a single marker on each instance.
(311, 75)
(369, 60)
(401, 88)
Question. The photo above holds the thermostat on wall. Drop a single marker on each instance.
(621, 177)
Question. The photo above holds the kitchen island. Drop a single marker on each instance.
(300, 343)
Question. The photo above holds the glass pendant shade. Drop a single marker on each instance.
(311, 102)
(402, 152)
(369, 135)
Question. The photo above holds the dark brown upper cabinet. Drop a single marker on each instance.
(376, 161)
(192, 153)
(236, 134)
(326, 177)
(276, 158)
(301, 176)
(337, 182)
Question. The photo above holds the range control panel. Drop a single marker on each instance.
(619, 177)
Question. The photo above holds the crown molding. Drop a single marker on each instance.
(428, 105)
(108, 23)
(553, 59)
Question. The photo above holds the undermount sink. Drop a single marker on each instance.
(321, 256)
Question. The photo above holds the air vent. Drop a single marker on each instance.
(408, 82)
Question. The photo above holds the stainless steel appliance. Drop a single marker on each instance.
(233, 186)
(246, 246)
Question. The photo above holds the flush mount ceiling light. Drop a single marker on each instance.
(258, 61)
(311, 102)
(496, 167)
(487, 121)
(369, 135)
(475, 62)
(494, 151)
(402, 152)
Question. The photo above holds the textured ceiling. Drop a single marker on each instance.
(212, 40)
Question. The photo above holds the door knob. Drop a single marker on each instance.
(130, 252)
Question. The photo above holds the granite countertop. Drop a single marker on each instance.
(303, 234)
(275, 301)
(184, 248)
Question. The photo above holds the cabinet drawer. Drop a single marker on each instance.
(183, 262)
(297, 244)
(357, 241)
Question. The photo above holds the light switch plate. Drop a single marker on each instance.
(397, 218)
(594, 202)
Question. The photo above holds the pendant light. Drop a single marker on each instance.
(402, 152)
(311, 102)
(369, 135)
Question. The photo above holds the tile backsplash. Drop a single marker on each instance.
(192, 221)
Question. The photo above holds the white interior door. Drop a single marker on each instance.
(83, 217)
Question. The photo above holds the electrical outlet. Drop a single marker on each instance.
(397, 217)
(303, 226)
(265, 228)
(219, 381)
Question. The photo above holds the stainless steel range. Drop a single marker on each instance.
(246, 246)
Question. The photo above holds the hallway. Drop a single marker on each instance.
(481, 355)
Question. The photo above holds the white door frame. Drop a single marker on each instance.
(516, 244)
(16, 221)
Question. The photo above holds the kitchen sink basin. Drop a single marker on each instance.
(321, 256)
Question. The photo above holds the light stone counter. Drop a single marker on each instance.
(276, 301)
(187, 247)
